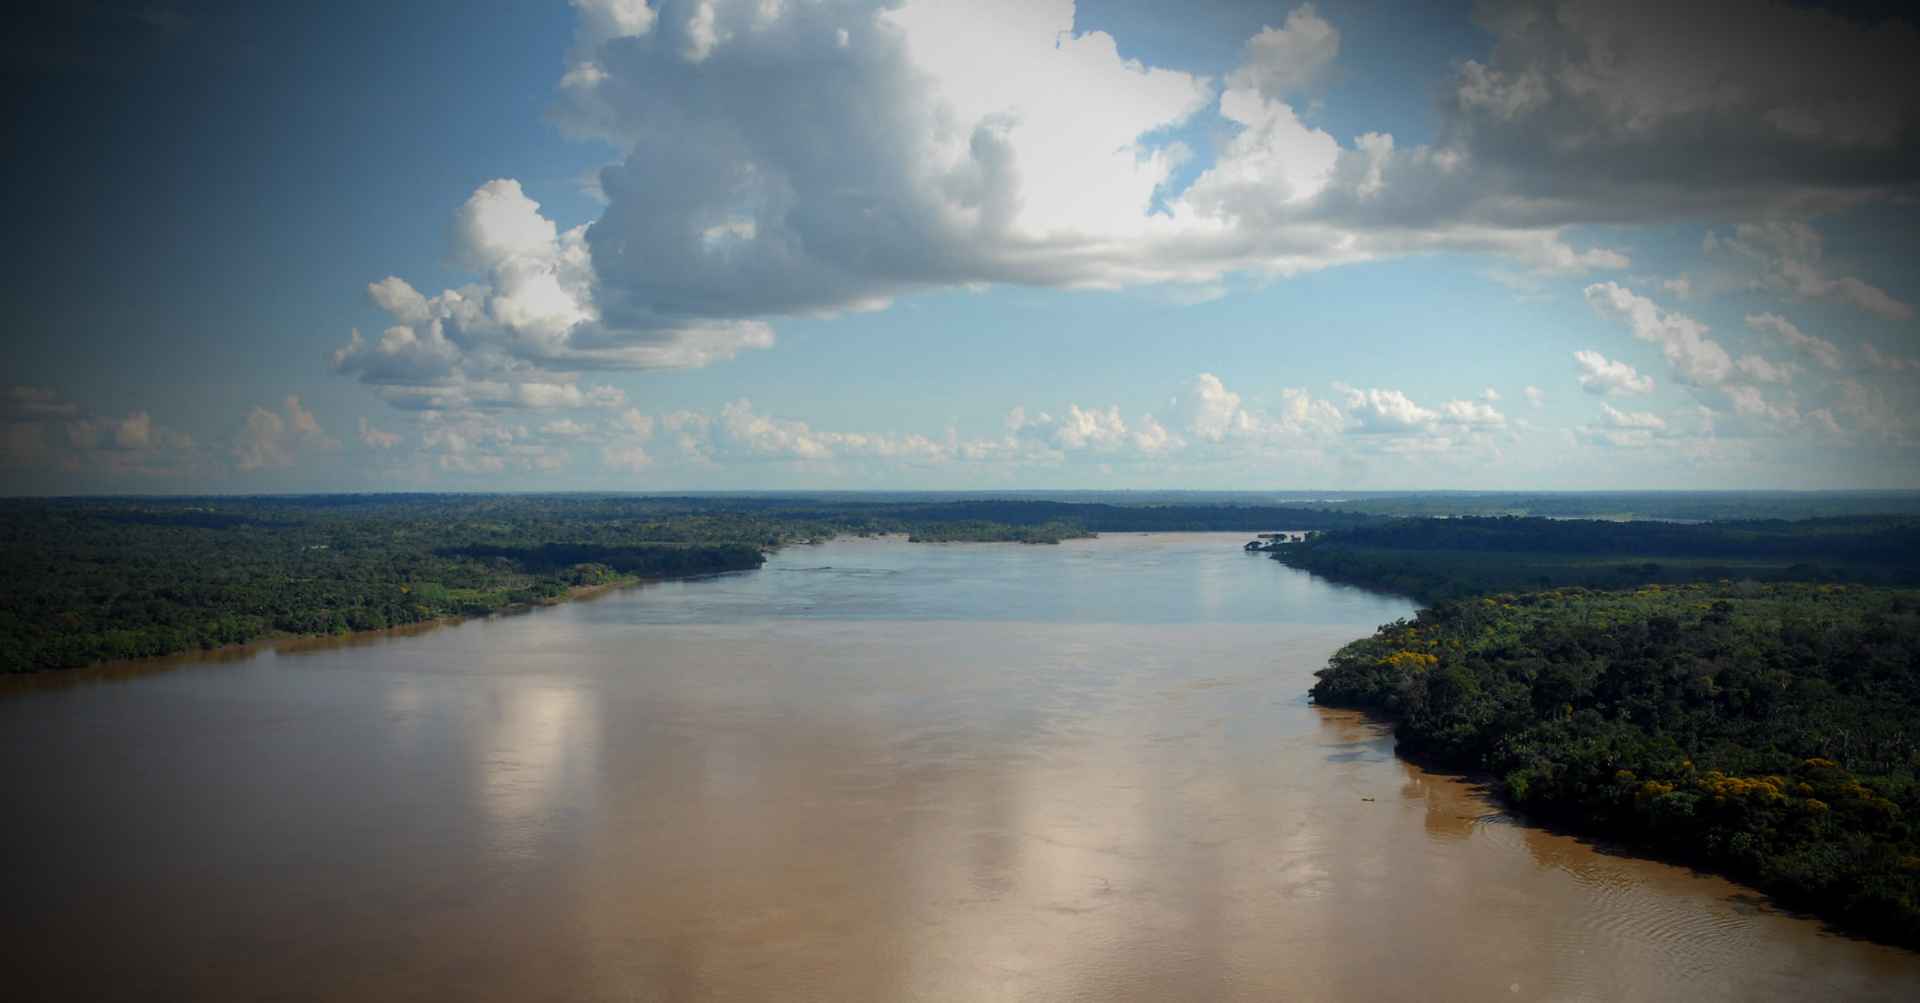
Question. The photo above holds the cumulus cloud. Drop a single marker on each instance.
(268, 441)
(1376, 410)
(134, 433)
(1205, 422)
(1697, 360)
(1535, 396)
(40, 428)
(1281, 61)
(1208, 413)
(1599, 375)
(516, 340)
(478, 443)
(798, 159)
(785, 159)
(1465, 412)
(131, 445)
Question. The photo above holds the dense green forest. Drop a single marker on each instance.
(1437, 559)
(998, 532)
(1671, 506)
(1770, 731)
(87, 580)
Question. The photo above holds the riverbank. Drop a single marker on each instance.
(130, 668)
(1755, 731)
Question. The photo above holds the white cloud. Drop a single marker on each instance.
(626, 457)
(515, 340)
(1376, 410)
(1535, 396)
(1281, 61)
(1619, 429)
(1760, 369)
(475, 443)
(972, 144)
(1464, 412)
(1697, 360)
(1788, 254)
(41, 430)
(262, 442)
(1888, 363)
(1820, 349)
(1888, 418)
(601, 20)
(1751, 402)
(267, 441)
(976, 145)
(1210, 414)
(1205, 423)
(1152, 439)
(634, 424)
(1598, 375)
(1631, 419)
(375, 438)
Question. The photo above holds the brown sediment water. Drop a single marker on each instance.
(869, 771)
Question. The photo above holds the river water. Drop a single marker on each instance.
(871, 770)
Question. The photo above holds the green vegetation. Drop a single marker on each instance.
(998, 532)
(82, 582)
(1681, 506)
(1767, 731)
(88, 580)
(1438, 559)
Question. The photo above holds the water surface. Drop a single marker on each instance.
(869, 771)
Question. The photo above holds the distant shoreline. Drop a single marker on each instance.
(129, 668)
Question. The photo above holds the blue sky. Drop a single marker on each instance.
(614, 245)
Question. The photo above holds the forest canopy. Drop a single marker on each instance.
(88, 580)
(1766, 731)
(1438, 559)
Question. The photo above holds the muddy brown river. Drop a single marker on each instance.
(871, 770)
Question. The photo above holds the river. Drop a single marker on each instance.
(871, 770)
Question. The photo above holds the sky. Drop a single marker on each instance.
(810, 244)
